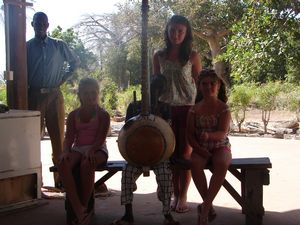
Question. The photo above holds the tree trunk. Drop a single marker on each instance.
(219, 66)
(213, 40)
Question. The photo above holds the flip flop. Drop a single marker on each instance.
(121, 222)
(182, 209)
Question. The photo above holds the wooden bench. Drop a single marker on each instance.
(112, 167)
(252, 173)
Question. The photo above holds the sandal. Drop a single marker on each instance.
(183, 209)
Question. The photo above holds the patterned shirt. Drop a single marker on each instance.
(180, 86)
(209, 123)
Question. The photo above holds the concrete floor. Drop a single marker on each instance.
(281, 197)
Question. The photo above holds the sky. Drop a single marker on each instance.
(64, 13)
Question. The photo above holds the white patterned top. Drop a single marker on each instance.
(180, 86)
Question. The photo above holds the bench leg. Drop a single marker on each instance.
(253, 196)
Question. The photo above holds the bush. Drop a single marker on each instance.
(71, 100)
(3, 94)
(108, 96)
(283, 97)
(126, 96)
(266, 96)
(239, 100)
(293, 100)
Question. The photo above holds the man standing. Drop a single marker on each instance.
(50, 63)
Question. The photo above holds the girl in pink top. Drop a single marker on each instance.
(84, 147)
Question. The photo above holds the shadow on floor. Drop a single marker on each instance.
(147, 211)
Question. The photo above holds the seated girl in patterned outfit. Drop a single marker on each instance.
(207, 129)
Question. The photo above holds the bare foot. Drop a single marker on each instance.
(211, 214)
(182, 206)
(202, 219)
(84, 218)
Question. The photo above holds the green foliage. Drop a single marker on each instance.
(116, 65)
(266, 96)
(219, 15)
(282, 99)
(290, 100)
(265, 44)
(69, 36)
(3, 94)
(71, 100)
(293, 66)
(134, 62)
(240, 99)
(126, 96)
(241, 95)
(108, 96)
(293, 98)
(88, 60)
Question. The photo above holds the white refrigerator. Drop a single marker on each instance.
(20, 158)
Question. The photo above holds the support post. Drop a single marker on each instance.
(16, 59)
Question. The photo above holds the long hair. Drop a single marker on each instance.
(212, 74)
(186, 46)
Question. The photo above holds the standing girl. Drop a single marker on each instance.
(207, 129)
(84, 147)
(180, 65)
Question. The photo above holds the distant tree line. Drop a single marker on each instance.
(250, 43)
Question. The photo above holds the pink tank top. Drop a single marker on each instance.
(86, 132)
